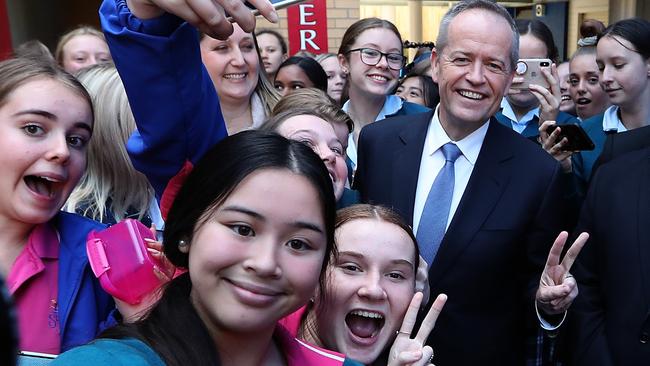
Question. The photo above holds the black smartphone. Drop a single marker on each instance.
(577, 138)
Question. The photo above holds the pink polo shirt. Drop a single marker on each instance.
(33, 283)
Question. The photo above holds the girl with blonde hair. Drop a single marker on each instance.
(81, 47)
(111, 189)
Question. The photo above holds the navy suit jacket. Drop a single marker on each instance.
(612, 311)
(493, 253)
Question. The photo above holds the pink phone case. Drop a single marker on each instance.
(119, 258)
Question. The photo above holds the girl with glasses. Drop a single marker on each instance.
(371, 55)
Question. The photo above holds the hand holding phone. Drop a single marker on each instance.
(529, 71)
(577, 138)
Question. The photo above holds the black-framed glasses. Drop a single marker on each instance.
(372, 57)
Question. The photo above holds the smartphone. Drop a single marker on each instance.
(277, 5)
(577, 138)
(531, 70)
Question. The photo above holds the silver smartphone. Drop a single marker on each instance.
(531, 70)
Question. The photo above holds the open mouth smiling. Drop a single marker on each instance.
(364, 325)
(42, 185)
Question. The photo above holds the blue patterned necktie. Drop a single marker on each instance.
(433, 221)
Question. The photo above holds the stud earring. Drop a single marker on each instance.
(183, 246)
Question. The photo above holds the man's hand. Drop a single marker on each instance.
(407, 351)
(209, 16)
(557, 287)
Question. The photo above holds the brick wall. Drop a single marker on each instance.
(340, 15)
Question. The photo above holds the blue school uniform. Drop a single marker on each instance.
(84, 307)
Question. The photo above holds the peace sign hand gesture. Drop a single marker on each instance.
(557, 287)
(407, 351)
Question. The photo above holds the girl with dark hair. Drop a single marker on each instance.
(166, 152)
(419, 89)
(273, 50)
(300, 72)
(255, 242)
(623, 60)
(524, 110)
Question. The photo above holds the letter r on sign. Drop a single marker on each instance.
(307, 36)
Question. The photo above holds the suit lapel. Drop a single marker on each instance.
(406, 165)
(484, 189)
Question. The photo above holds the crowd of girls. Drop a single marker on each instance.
(264, 259)
(621, 54)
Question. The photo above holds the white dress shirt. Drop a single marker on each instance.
(392, 105)
(433, 160)
(611, 122)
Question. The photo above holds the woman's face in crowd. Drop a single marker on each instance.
(529, 47)
(335, 77)
(411, 90)
(44, 130)
(290, 78)
(375, 80)
(271, 52)
(320, 136)
(233, 65)
(588, 95)
(625, 75)
(258, 255)
(83, 51)
(566, 103)
(370, 286)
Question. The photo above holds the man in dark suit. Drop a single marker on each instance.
(504, 210)
(612, 311)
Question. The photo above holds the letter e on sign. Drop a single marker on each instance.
(308, 30)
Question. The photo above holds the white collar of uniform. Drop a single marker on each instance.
(392, 104)
(506, 110)
(470, 146)
(611, 122)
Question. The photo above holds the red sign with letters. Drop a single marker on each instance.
(5, 35)
(308, 27)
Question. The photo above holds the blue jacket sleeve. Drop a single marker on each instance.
(172, 97)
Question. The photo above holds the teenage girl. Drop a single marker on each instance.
(299, 72)
(335, 75)
(81, 47)
(371, 55)
(623, 59)
(586, 91)
(46, 118)
(524, 110)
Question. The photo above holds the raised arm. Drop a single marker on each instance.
(171, 95)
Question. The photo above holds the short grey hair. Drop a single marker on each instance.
(462, 6)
